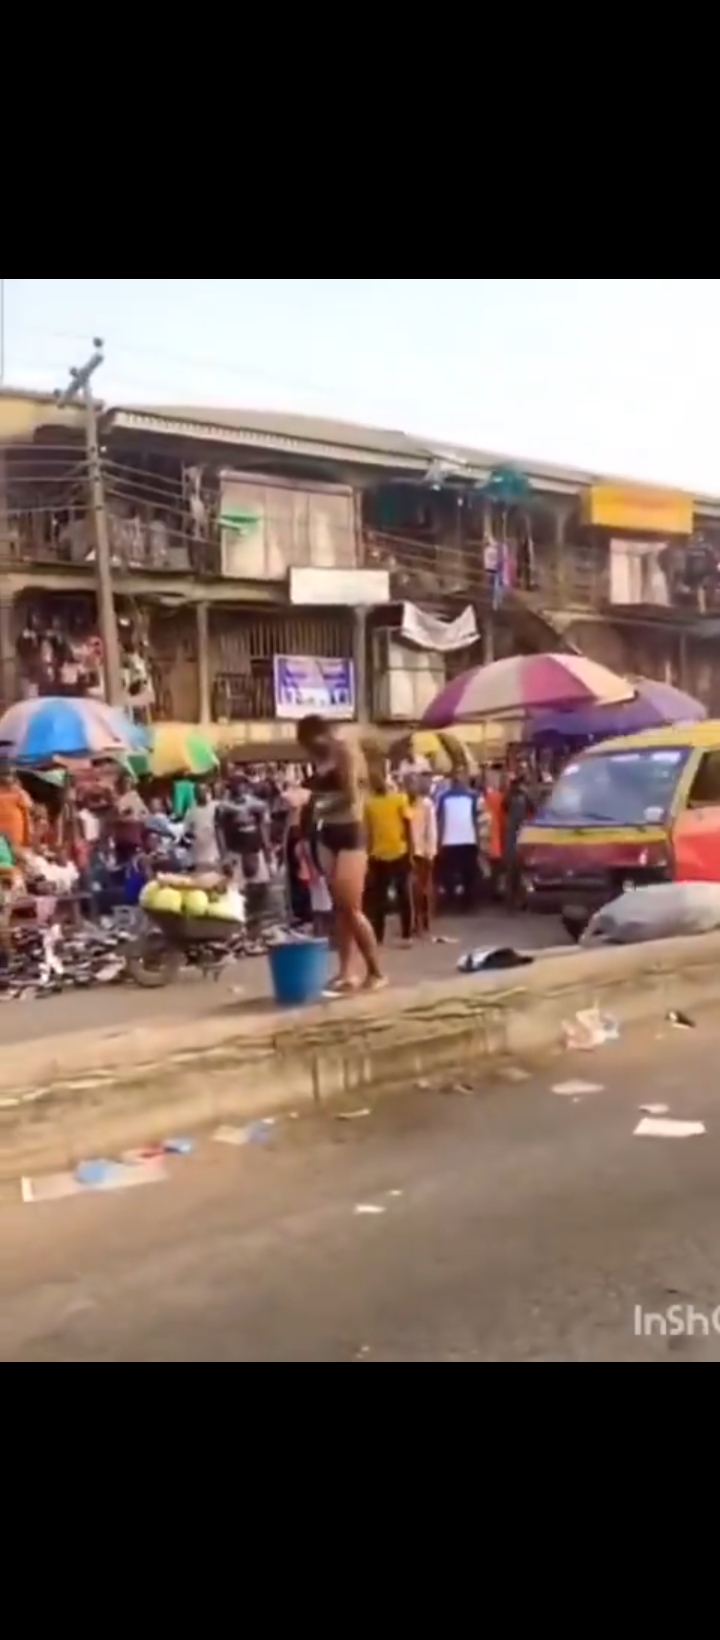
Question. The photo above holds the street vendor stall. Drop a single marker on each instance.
(43, 895)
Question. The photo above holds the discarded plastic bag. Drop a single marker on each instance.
(590, 1029)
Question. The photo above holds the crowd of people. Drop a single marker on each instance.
(336, 842)
(401, 842)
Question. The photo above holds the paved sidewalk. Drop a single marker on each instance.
(121, 1007)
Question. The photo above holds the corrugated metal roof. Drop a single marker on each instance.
(338, 440)
(350, 441)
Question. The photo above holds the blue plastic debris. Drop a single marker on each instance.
(95, 1173)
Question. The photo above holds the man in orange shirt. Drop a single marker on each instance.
(495, 810)
(15, 809)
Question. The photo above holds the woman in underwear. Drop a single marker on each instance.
(336, 813)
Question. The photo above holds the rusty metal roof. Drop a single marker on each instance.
(380, 447)
(332, 440)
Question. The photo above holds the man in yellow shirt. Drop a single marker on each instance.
(387, 828)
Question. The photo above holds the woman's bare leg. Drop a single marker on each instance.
(341, 939)
(348, 886)
(344, 945)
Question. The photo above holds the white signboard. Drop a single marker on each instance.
(350, 588)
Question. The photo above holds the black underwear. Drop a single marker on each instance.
(340, 836)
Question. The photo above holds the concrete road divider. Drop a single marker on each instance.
(100, 1092)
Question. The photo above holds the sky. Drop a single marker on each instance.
(618, 376)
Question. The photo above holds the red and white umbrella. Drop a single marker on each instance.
(526, 683)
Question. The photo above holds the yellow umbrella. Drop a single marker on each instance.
(177, 748)
(444, 751)
(492, 736)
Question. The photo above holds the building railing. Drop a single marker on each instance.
(592, 577)
(72, 548)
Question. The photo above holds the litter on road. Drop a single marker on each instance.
(369, 1210)
(576, 1089)
(655, 1110)
(53, 1187)
(682, 1022)
(256, 1133)
(665, 1127)
(590, 1029)
(352, 1115)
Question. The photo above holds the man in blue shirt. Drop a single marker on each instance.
(458, 815)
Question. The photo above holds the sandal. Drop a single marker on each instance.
(339, 988)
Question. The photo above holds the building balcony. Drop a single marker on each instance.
(621, 576)
(134, 550)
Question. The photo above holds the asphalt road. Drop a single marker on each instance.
(515, 1225)
(122, 1006)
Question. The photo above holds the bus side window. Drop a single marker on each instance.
(705, 789)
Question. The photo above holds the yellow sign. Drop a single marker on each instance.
(620, 507)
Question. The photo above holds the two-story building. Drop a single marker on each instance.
(264, 564)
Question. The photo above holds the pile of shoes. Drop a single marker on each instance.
(45, 960)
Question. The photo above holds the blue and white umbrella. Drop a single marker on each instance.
(55, 727)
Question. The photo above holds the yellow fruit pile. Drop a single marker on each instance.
(185, 897)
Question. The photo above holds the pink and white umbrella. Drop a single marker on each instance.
(526, 683)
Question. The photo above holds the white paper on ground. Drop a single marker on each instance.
(664, 1127)
(55, 1187)
(230, 1136)
(655, 1110)
(369, 1210)
(575, 1089)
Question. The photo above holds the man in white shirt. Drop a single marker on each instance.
(458, 816)
(202, 830)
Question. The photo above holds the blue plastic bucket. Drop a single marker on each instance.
(299, 971)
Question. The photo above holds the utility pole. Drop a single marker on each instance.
(81, 383)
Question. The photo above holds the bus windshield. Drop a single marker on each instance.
(616, 789)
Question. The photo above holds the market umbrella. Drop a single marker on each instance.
(445, 751)
(175, 748)
(55, 727)
(655, 704)
(522, 684)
